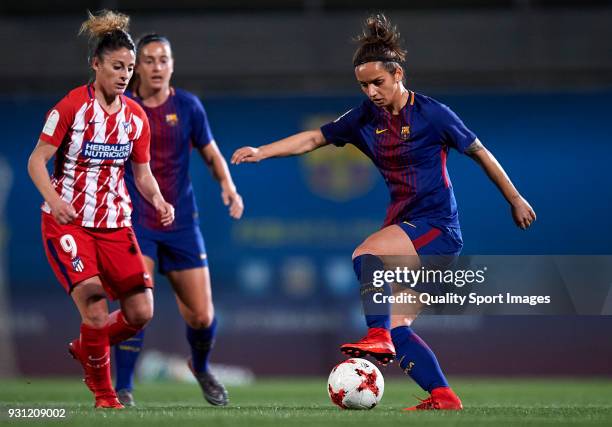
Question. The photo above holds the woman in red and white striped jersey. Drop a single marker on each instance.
(92, 132)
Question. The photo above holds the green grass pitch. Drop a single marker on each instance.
(304, 402)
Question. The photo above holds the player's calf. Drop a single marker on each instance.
(119, 329)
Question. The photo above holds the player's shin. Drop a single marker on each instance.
(374, 291)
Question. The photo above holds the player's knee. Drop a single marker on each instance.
(139, 320)
(94, 311)
(397, 321)
(201, 320)
(96, 317)
(140, 316)
(364, 249)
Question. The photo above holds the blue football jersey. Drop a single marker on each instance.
(410, 150)
(177, 125)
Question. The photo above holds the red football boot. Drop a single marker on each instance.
(109, 401)
(377, 343)
(95, 380)
(441, 398)
(74, 348)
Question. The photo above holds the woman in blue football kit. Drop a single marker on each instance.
(178, 123)
(408, 136)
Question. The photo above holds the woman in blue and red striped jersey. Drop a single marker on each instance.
(407, 136)
(178, 124)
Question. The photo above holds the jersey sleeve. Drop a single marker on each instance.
(58, 122)
(342, 130)
(455, 133)
(142, 143)
(201, 135)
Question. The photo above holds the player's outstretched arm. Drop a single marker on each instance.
(218, 166)
(63, 212)
(522, 213)
(294, 145)
(148, 187)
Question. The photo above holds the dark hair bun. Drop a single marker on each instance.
(378, 29)
(379, 41)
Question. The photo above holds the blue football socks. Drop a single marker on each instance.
(416, 359)
(377, 315)
(201, 342)
(126, 355)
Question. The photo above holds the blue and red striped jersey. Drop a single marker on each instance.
(177, 125)
(410, 150)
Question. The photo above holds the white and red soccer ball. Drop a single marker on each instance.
(355, 384)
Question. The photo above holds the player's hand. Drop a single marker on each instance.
(165, 211)
(246, 155)
(63, 212)
(522, 213)
(232, 199)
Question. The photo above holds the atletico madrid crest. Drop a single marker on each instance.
(77, 264)
(405, 133)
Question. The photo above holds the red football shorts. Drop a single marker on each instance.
(77, 253)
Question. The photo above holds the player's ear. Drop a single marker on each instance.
(96, 63)
(398, 74)
(171, 65)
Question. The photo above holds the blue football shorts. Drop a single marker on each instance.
(433, 240)
(173, 250)
(438, 248)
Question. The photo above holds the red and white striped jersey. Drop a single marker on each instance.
(93, 147)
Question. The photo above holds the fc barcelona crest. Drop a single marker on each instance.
(405, 133)
(171, 119)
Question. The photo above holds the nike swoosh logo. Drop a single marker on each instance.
(379, 131)
(96, 359)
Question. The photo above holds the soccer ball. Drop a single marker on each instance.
(355, 384)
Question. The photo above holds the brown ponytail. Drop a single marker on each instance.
(107, 31)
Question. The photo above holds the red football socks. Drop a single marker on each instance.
(119, 329)
(95, 353)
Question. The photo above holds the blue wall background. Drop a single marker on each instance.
(285, 268)
(555, 147)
